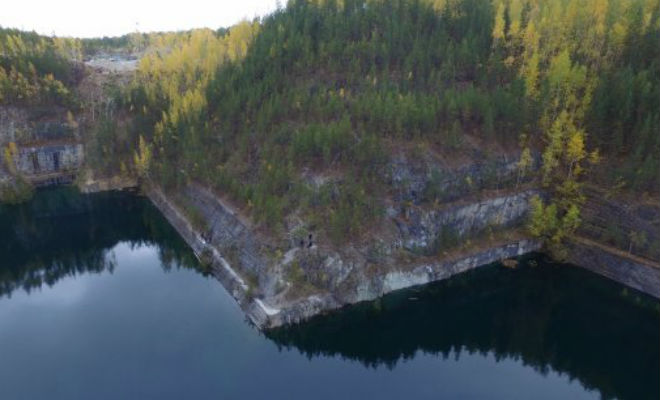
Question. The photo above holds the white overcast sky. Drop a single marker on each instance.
(94, 18)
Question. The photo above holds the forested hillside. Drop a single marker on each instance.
(302, 112)
(333, 88)
(36, 70)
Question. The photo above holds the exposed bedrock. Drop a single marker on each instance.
(421, 228)
(370, 287)
(631, 226)
(634, 272)
(35, 124)
(426, 179)
(49, 149)
(49, 158)
(324, 277)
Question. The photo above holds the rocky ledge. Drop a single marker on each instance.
(236, 256)
(301, 274)
(381, 284)
(635, 272)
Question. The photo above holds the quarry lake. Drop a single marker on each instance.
(101, 299)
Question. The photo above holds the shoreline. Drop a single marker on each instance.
(265, 316)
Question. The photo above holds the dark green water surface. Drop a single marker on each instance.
(100, 299)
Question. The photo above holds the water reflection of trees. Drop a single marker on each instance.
(61, 233)
(560, 319)
(552, 318)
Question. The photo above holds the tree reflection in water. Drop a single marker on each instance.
(62, 233)
(550, 316)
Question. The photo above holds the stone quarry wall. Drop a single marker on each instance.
(614, 221)
(372, 287)
(242, 260)
(208, 253)
(49, 151)
(49, 158)
(422, 180)
(634, 272)
(428, 201)
(420, 228)
(14, 124)
(25, 125)
(201, 247)
(225, 230)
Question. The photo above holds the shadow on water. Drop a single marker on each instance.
(62, 233)
(549, 316)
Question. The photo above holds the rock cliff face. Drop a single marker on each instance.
(427, 179)
(208, 253)
(634, 272)
(49, 159)
(49, 150)
(423, 227)
(303, 281)
(26, 125)
(371, 286)
(224, 230)
(432, 211)
(423, 239)
(13, 124)
(631, 226)
(285, 282)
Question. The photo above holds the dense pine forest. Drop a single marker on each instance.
(36, 70)
(334, 89)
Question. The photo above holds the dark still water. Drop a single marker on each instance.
(100, 299)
